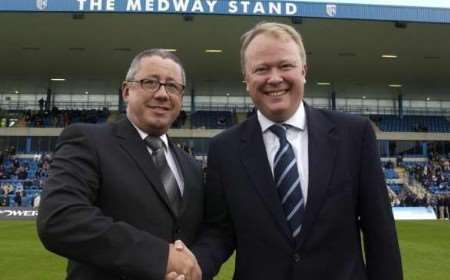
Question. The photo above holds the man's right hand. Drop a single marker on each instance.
(182, 264)
(174, 276)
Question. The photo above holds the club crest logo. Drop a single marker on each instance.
(41, 4)
(331, 10)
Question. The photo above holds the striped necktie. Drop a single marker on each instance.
(167, 178)
(287, 181)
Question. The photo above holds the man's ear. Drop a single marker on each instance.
(125, 91)
(244, 80)
(304, 71)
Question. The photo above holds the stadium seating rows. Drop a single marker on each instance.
(212, 119)
(24, 178)
(413, 123)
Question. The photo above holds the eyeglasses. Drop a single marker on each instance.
(153, 85)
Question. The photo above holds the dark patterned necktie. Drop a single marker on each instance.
(287, 181)
(167, 178)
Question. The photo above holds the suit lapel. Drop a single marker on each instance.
(254, 158)
(131, 142)
(322, 143)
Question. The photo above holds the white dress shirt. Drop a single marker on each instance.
(297, 136)
(169, 157)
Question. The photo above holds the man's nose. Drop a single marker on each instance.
(275, 77)
(161, 93)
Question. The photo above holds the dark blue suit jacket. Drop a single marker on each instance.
(347, 196)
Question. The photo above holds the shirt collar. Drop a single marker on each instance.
(298, 120)
(144, 135)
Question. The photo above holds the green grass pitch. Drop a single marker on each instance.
(425, 247)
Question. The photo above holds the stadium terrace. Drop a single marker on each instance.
(191, 6)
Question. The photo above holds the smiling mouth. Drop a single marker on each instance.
(158, 107)
(276, 93)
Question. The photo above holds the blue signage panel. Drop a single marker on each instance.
(408, 10)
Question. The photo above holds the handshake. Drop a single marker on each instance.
(182, 264)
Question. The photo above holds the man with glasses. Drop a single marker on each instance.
(119, 194)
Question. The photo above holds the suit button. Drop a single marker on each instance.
(177, 233)
(297, 258)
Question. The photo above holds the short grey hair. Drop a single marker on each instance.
(275, 29)
(135, 63)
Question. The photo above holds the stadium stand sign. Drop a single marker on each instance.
(396, 10)
(18, 213)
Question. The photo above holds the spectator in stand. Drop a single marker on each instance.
(36, 201)
(12, 150)
(5, 200)
(445, 165)
(433, 203)
(19, 187)
(447, 207)
(7, 188)
(442, 204)
(18, 199)
(183, 117)
(27, 117)
(41, 104)
(22, 173)
(3, 174)
(2, 197)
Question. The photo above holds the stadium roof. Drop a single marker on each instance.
(100, 46)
